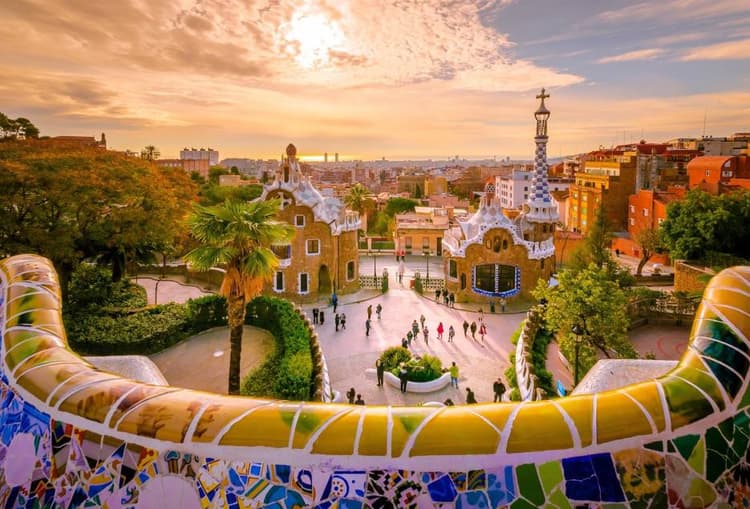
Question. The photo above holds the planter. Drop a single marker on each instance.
(416, 387)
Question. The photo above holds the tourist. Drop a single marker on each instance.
(414, 328)
(466, 327)
(454, 375)
(367, 327)
(359, 400)
(421, 320)
(350, 395)
(404, 344)
(426, 333)
(502, 305)
(437, 295)
(337, 321)
(378, 310)
(482, 331)
(481, 314)
(448, 402)
(451, 334)
(499, 389)
(452, 300)
(470, 398)
(403, 376)
(321, 317)
(409, 336)
(369, 311)
(440, 330)
(473, 328)
(315, 315)
(401, 273)
(445, 296)
(334, 301)
(343, 321)
(380, 369)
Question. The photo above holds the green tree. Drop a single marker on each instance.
(702, 224)
(17, 128)
(593, 301)
(650, 242)
(70, 203)
(399, 205)
(150, 152)
(237, 236)
(355, 199)
(598, 240)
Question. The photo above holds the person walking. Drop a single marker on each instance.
(334, 301)
(437, 295)
(473, 330)
(321, 317)
(426, 333)
(481, 314)
(482, 331)
(499, 389)
(421, 320)
(414, 329)
(380, 370)
(315, 315)
(350, 395)
(401, 273)
(367, 327)
(503, 302)
(343, 321)
(466, 327)
(452, 300)
(470, 398)
(451, 334)
(445, 296)
(454, 375)
(440, 330)
(359, 400)
(369, 311)
(378, 310)
(337, 321)
(403, 376)
(409, 337)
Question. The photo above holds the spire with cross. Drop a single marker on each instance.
(541, 205)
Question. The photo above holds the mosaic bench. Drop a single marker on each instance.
(72, 435)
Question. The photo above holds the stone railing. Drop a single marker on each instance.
(525, 376)
(370, 282)
(74, 435)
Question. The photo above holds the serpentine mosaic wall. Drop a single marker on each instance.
(75, 436)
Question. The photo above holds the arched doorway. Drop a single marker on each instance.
(324, 281)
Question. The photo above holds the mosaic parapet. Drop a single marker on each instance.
(682, 437)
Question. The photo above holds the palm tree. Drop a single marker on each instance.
(355, 200)
(238, 236)
(150, 152)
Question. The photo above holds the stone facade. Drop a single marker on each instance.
(323, 255)
(690, 278)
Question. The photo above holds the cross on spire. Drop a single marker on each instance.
(542, 96)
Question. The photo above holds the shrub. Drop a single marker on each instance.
(418, 284)
(393, 357)
(91, 286)
(206, 312)
(424, 369)
(384, 284)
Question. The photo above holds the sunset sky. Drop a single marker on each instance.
(374, 78)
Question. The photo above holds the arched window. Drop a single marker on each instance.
(496, 280)
(496, 244)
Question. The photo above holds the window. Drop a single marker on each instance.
(632, 209)
(632, 221)
(313, 247)
(645, 212)
(278, 282)
(496, 280)
(350, 271)
(303, 283)
(425, 243)
(708, 173)
(525, 188)
(452, 269)
(407, 240)
(299, 221)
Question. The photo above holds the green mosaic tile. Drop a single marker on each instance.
(558, 500)
(551, 474)
(716, 449)
(522, 504)
(528, 484)
(655, 446)
(670, 447)
(697, 459)
(685, 444)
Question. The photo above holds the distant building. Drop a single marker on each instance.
(489, 256)
(421, 231)
(323, 255)
(84, 141)
(714, 174)
(727, 146)
(512, 190)
(325, 157)
(199, 166)
(209, 154)
(336, 157)
(236, 181)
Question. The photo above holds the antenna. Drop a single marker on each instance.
(704, 123)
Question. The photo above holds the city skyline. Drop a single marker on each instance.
(410, 80)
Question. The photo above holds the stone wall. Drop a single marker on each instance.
(690, 278)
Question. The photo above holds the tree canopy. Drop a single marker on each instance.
(592, 300)
(702, 224)
(17, 128)
(68, 203)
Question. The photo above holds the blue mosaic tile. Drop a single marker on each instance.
(442, 490)
(472, 500)
(592, 478)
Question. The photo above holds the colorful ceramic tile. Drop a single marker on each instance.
(592, 478)
(442, 489)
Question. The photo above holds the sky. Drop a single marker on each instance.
(400, 79)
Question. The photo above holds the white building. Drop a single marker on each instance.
(512, 190)
(209, 153)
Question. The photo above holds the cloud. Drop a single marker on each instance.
(671, 10)
(732, 50)
(641, 54)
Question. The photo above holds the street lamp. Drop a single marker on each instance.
(371, 253)
(426, 253)
(578, 331)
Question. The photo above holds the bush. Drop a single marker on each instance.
(424, 369)
(384, 284)
(206, 312)
(91, 288)
(418, 284)
(393, 357)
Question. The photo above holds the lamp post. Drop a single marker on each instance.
(578, 331)
(156, 290)
(427, 256)
(371, 253)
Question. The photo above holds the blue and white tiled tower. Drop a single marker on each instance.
(542, 208)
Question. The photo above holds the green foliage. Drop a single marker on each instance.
(206, 312)
(593, 301)
(418, 284)
(92, 287)
(399, 205)
(382, 244)
(383, 284)
(702, 223)
(393, 357)
(515, 394)
(214, 194)
(424, 369)
(20, 127)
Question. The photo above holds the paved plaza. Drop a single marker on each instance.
(350, 353)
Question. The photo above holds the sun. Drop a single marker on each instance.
(311, 37)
